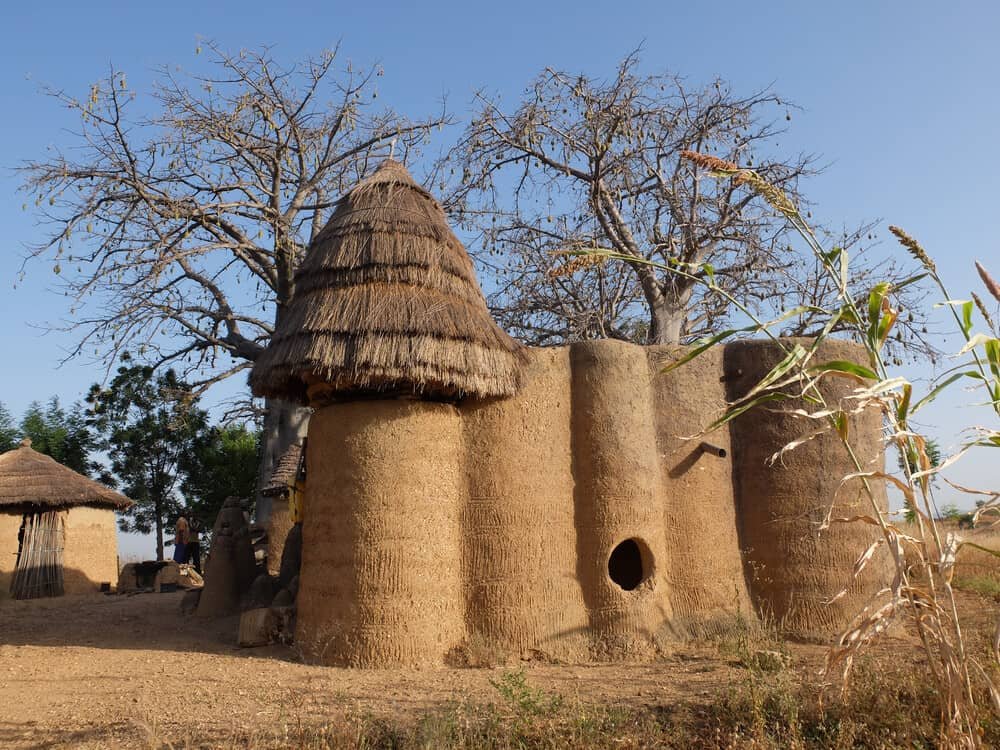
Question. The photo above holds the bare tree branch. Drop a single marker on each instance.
(584, 163)
(176, 230)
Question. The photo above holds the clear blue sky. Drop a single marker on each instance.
(900, 99)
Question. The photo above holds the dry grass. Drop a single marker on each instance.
(887, 706)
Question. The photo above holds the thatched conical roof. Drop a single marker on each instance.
(286, 471)
(386, 300)
(30, 478)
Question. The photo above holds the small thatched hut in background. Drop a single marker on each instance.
(57, 527)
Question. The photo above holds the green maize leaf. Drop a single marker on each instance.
(992, 348)
(847, 314)
(735, 411)
(967, 318)
(907, 282)
(941, 386)
(843, 270)
(796, 355)
(843, 365)
(832, 255)
(885, 326)
(904, 405)
(875, 298)
(704, 346)
(842, 424)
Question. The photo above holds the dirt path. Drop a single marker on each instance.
(105, 671)
(112, 671)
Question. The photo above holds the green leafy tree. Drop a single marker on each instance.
(933, 450)
(222, 463)
(63, 435)
(148, 423)
(8, 430)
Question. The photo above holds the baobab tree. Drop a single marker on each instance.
(581, 163)
(176, 220)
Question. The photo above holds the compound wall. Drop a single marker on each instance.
(576, 520)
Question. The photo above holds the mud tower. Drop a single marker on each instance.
(464, 492)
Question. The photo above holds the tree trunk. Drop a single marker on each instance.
(284, 425)
(667, 313)
(667, 305)
(159, 531)
(666, 322)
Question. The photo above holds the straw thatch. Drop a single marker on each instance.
(386, 301)
(286, 470)
(30, 478)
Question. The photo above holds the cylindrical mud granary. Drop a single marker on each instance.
(793, 568)
(619, 516)
(522, 591)
(704, 570)
(381, 584)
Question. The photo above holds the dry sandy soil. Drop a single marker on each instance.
(112, 671)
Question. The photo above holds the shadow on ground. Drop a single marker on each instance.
(150, 622)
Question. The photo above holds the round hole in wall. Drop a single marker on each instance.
(626, 566)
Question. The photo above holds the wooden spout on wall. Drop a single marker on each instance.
(713, 449)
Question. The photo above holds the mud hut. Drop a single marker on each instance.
(285, 492)
(465, 495)
(57, 527)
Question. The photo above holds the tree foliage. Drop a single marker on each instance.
(148, 423)
(582, 163)
(63, 435)
(9, 432)
(222, 463)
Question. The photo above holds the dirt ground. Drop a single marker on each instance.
(96, 671)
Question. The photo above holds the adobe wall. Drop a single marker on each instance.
(382, 549)
(431, 529)
(10, 525)
(520, 569)
(279, 523)
(90, 555)
(793, 569)
(699, 513)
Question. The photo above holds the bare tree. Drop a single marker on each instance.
(177, 230)
(581, 163)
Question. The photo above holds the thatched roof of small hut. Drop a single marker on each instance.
(286, 470)
(386, 300)
(30, 478)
